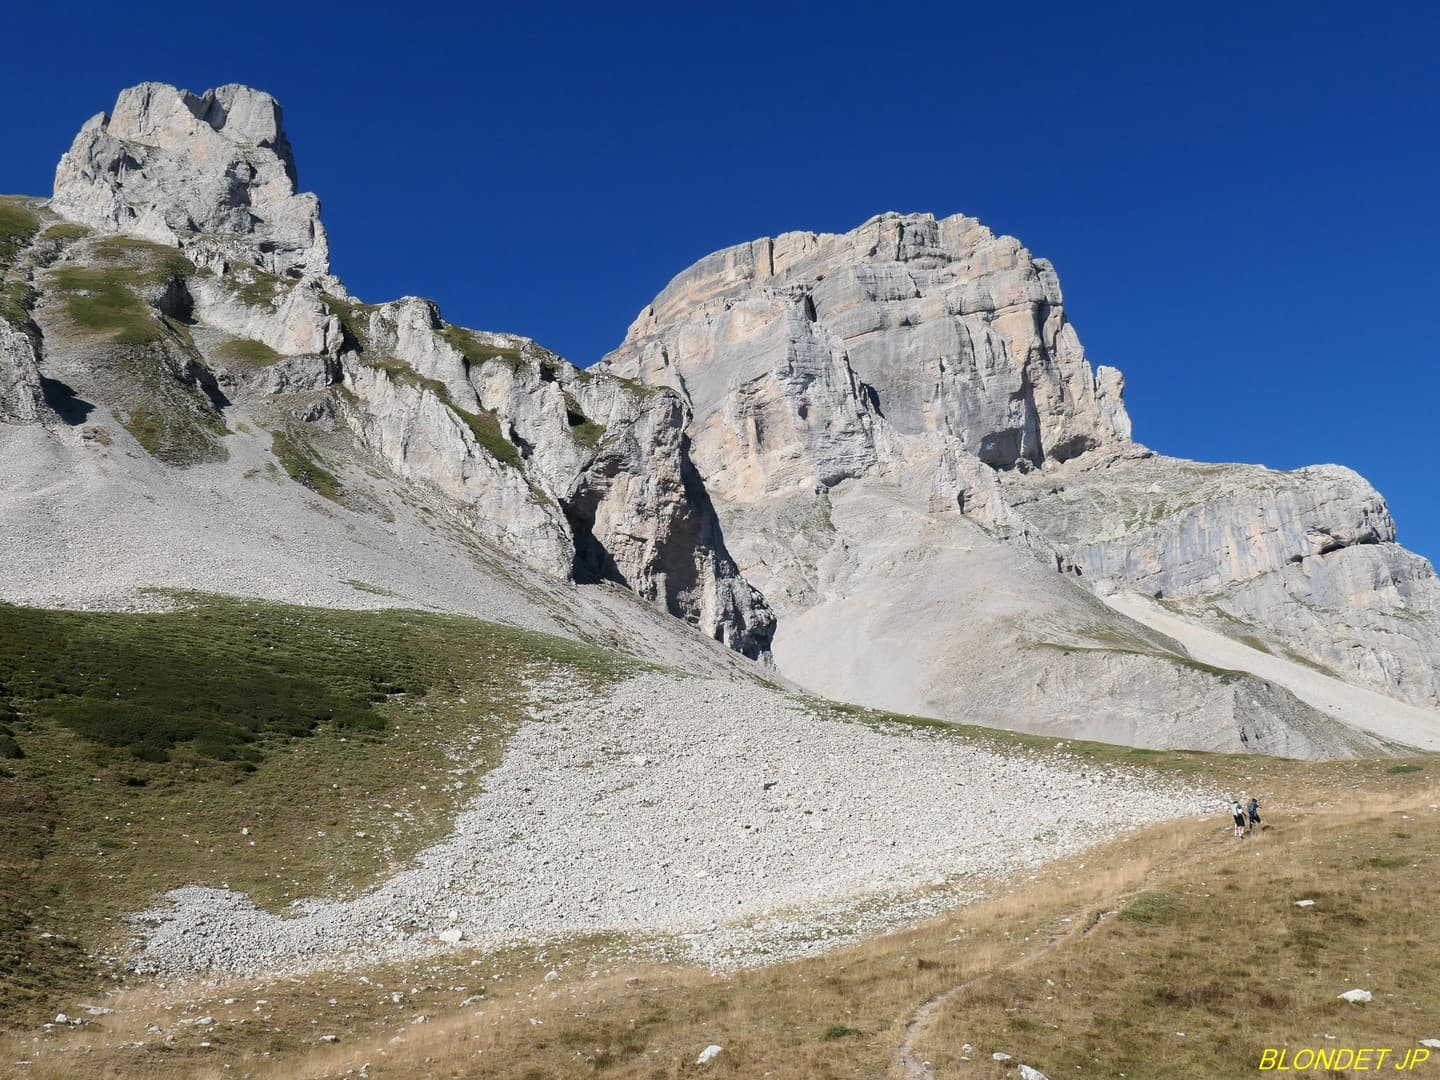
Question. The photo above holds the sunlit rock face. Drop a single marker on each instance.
(926, 370)
(579, 475)
(211, 173)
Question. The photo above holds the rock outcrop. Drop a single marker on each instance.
(1306, 560)
(580, 476)
(210, 173)
(21, 399)
(893, 434)
(789, 348)
(856, 396)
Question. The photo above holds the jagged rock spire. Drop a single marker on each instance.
(211, 173)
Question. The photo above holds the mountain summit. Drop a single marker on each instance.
(211, 174)
(898, 423)
(879, 460)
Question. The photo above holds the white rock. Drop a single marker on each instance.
(709, 1054)
(1433, 1044)
(999, 1055)
(452, 936)
(1304, 903)
(211, 172)
(1028, 1073)
(1356, 997)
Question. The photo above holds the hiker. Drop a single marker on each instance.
(1252, 811)
(1238, 813)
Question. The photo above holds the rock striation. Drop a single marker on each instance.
(915, 386)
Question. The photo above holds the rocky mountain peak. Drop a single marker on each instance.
(211, 173)
(790, 348)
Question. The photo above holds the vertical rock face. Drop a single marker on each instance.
(212, 174)
(21, 399)
(787, 349)
(916, 373)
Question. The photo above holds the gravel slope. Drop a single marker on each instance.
(727, 813)
(90, 524)
(1358, 706)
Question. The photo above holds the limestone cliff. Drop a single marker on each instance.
(187, 287)
(926, 371)
(1304, 560)
(892, 433)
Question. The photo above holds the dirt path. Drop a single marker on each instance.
(1059, 930)
(912, 1065)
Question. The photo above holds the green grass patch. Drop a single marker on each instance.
(105, 299)
(65, 230)
(16, 298)
(329, 735)
(247, 351)
(1255, 643)
(146, 263)
(1405, 767)
(485, 426)
(18, 226)
(260, 287)
(102, 301)
(478, 352)
(173, 427)
(350, 313)
(584, 429)
(1151, 907)
(297, 458)
(217, 678)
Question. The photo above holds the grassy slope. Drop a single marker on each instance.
(152, 740)
(1176, 928)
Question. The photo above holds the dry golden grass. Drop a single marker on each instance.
(1176, 928)
(1179, 927)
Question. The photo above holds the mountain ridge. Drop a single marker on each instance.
(826, 425)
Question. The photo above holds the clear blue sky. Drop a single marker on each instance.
(1240, 199)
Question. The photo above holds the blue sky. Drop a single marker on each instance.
(1240, 199)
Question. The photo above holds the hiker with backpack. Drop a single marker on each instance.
(1238, 813)
(1252, 812)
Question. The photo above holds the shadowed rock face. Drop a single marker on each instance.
(578, 475)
